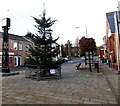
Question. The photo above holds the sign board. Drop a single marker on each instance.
(52, 71)
(5, 22)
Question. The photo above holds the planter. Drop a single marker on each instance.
(42, 72)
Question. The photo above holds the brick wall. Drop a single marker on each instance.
(19, 54)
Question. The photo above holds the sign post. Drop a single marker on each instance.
(5, 55)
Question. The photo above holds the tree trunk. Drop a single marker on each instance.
(89, 62)
(85, 59)
(92, 57)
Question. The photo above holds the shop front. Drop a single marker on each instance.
(11, 59)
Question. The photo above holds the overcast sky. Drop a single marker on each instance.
(69, 13)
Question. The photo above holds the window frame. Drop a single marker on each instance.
(20, 46)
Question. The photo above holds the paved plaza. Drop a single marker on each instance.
(75, 87)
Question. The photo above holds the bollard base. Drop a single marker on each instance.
(5, 70)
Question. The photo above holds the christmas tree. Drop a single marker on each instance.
(45, 49)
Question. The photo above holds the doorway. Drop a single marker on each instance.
(19, 60)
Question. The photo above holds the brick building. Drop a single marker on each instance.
(18, 49)
(110, 40)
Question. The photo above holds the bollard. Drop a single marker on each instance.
(109, 63)
(97, 66)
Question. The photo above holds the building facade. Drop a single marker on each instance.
(111, 38)
(18, 49)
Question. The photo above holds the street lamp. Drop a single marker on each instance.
(5, 56)
(85, 29)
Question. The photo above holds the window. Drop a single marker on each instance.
(27, 48)
(15, 46)
(20, 46)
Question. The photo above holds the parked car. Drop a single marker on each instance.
(64, 59)
(83, 57)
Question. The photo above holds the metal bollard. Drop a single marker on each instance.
(97, 66)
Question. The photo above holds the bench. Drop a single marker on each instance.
(78, 66)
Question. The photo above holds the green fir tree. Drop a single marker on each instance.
(45, 48)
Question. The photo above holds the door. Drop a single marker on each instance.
(19, 61)
(16, 60)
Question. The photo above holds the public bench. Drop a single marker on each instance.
(42, 72)
(78, 66)
(95, 64)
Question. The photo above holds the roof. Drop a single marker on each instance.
(111, 20)
(14, 37)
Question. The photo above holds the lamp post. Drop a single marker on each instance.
(85, 30)
(5, 55)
